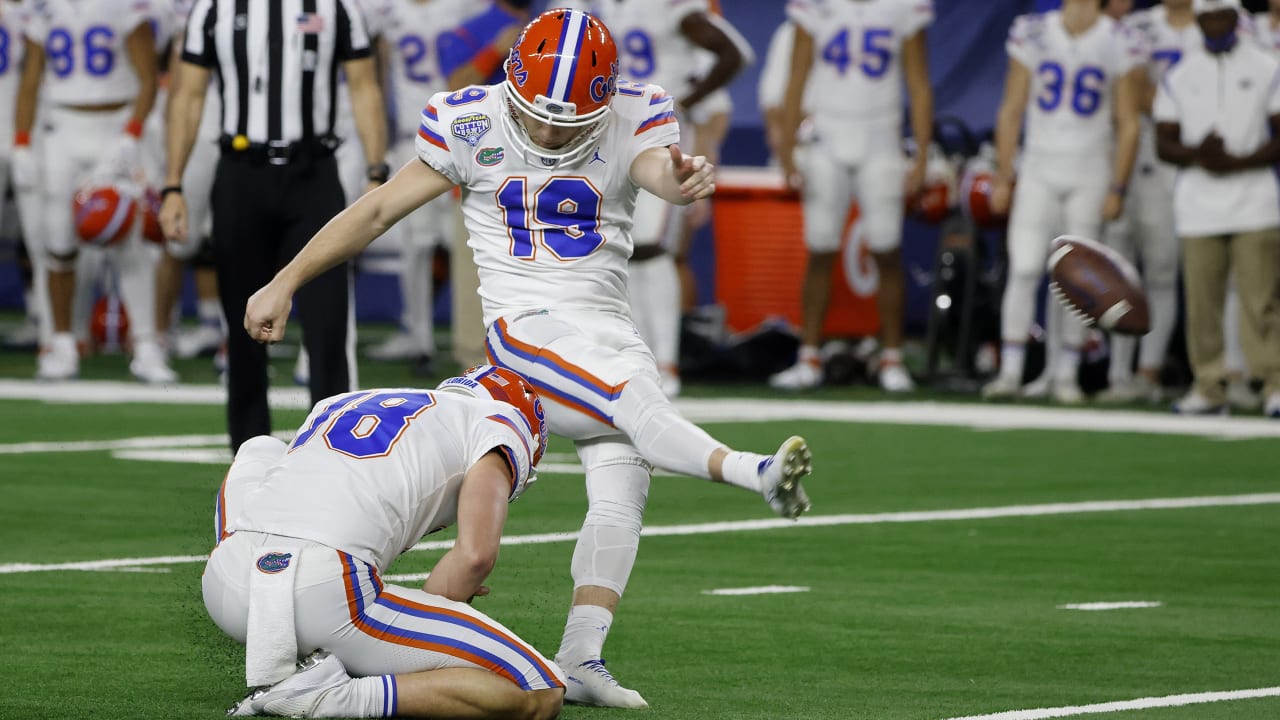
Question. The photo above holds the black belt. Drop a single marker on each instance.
(276, 152)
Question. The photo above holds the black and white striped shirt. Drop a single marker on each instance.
(277, 61)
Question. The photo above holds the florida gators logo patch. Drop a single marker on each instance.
(274, 562)
(488, 157)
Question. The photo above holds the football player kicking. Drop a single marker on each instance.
(549, 188)
(1076, 76)
(304, 533)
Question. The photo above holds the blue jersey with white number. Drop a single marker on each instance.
(85, 62)
(857, 66)
(372, 471)
(1072, 80)
(542, 236)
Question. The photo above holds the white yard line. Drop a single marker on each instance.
(761, 590)
(982, 416)
(1121, 605)
(987, 513)
(1122, 705)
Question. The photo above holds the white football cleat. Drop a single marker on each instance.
(1003, 387)
(150, 365)
(400, 346)
(1067, 392)
(1242, 397)
(300, 693)
(202, 340)
(780, 478)
(1272, 409)
(1194, 403)
(1039, 388)
(589, 683)
(59, 361)
(801, 376)
(1120, 393)
(894, 378)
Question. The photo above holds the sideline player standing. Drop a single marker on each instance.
(1076, 76)
(305, 533)
(550, 233)
(856, 55)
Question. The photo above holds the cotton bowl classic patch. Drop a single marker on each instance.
(274, 562)
(471, 127)
(488, 157)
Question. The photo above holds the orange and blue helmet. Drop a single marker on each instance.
(508, 386)
(563, 71)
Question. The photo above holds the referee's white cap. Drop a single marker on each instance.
(1207, 6)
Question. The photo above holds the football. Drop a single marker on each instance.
(1099, 285)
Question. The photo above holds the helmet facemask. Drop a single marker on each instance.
(575, 150)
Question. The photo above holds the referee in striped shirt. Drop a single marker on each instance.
(277, 62)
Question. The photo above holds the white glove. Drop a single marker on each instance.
(26, 169)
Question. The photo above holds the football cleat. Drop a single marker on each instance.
(300, 693)
(150, 365)
(1242, 397)
(1003, 387)
(589, 682)
(1067, 392)
(894, 378)
(1272, 410)
(60, 360)
(199, 341)
(400, 346)
(803, 375)
(780, 478)
(1194, 403)
(1039, 388)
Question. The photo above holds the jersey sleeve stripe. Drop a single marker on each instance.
(509, 423)
(662, 118)
(658, 98)
(430, 113)
(432, 137)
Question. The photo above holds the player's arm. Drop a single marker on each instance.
(792, 101)
(673, 176)
(1169, 146)
(140, 47)
(705, 34)
(186, 106)
(1128, 124)
(915, 66)
(339, 240)
(370, 113)
(1017, 90)
(24, 114)
(482, 512)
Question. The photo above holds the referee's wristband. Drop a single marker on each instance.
(169, 189)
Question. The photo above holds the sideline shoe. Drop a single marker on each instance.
(300, 693)
(1242, 397)
(201, 340)
(780, 478)
(59, 361)
(400, 346)
(1273, 405)
(1003, 387)
(1067, 392)
(894, 378)
(1193, 403)
(589, 683)
(150, 366)
(801, 376)
(1039, 388)
(1119, 393)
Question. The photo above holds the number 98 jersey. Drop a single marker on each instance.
(85, 60)
(545, 236)
(1072, 80)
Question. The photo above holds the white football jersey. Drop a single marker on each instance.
(372, 471)
(1072, 80)
(84, 46)
(1266, 33)
(545, 236)
(1163, 44)
(415, 54)
(651, 46)
(11, 44)
(857, 63)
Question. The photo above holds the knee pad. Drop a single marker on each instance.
(617, 483)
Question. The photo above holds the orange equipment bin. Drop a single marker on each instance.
(760, 258)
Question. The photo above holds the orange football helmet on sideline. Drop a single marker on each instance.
(109, 325)
(103, 215)
(937, 197)
(508, 386)
(562, 71)
(975, 190)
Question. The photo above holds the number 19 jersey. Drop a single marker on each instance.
(84, 47)
(545, 236)
(1073, 79)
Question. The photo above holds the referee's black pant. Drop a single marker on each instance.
(263, 214)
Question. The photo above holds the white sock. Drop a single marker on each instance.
(585, 632)
(209, 311)
(742, 469)
(810, 354)
(366, 697)
(1012, 357)
(1068, 365)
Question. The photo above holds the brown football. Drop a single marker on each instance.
(1099, 285)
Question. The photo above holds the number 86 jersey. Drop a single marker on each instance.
(84, 46)
(543, 236)
(1072, 80)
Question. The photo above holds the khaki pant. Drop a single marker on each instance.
(1207, 262)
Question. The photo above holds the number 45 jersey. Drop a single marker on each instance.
(545, 236)
(84, 46)
(1072, 80)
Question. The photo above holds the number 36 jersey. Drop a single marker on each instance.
(544, 236)
(1072, 80)
(84, 46)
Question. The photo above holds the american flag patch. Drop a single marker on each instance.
(310, 24)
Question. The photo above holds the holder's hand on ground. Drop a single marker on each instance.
(267, 312)
(696, 175)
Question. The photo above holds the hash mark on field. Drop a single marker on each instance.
(1124, 605)
(1121, 705)
(761, 590)
(987, 513)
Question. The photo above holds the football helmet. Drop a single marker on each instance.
(975, 189)
(109, 324)
(935, 199)
(562, 71)
(103, 214)
(498, 383)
